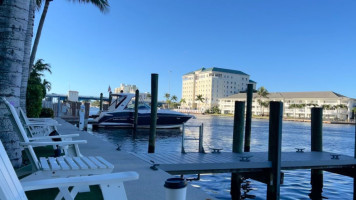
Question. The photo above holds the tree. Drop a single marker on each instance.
(37, 88)
(27, 53)
(167, 96)
(200, 98)
(13, 28)
(262, 93)
(182, 101)
(174, 98)
(28, 62)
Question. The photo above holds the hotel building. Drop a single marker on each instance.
(212, 84)
(126, 88)
(297, 104)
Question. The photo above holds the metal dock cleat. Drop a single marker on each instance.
(154, 166)
(335, 156)
(245, 158)
(216, 150)
(300, 150)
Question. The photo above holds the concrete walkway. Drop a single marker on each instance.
(150, 184)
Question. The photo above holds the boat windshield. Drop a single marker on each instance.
(141, 105)
(117, 100)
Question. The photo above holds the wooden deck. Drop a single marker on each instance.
(224, 162)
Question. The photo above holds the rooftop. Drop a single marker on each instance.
(290, 95)
(216, 69)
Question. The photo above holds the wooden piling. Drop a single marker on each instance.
(248, 117)
(101, 102)
(274, 149)
(238, 134)
(316, 176)
(154, 97)
(137, 96)
(86, 116)
(316, 129)
(237, 146)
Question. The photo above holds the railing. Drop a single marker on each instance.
(201, 148)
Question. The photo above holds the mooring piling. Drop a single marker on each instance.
(101, 101)
(248, 118)
(110, 98)
(316, 179)
(137, 96)
(237, 146)
(201, 136)
(274, 149)
(238, 134)
(154, 97)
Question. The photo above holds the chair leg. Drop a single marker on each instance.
(64, 193)
(113, 191)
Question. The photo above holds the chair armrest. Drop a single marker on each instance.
(79, 181)
(59, 143)
(53, 137)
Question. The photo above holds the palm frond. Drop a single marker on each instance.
(103, 5)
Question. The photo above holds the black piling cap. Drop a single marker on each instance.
(175, 183)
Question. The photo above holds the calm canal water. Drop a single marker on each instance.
(218, 133)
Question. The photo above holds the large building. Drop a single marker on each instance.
(125, 88)
(297, 104)
(212, 84)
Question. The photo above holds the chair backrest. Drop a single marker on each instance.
(10, 186)
(18, 128)
(24, 121)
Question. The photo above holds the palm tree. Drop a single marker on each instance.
(103, 5)
(27, 53)
(174, 98)
(182, 101)
(167, 96)
(262, 93)
(200, 98)
(14, 17)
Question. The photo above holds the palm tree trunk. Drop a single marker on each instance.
(38, 33)
(13, 28)
(25, 66)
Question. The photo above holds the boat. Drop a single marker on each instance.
(121, 114)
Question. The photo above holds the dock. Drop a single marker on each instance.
(150, 183)
(228, 162)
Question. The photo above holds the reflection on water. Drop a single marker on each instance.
(218, 133)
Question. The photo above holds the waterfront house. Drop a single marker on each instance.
(297, 104)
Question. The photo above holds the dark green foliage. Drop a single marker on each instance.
(34, 100)
(47, 112)
(213, 110)
(36, 89)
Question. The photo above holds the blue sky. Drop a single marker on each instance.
(284, 45)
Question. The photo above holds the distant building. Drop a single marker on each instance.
(126, 88)
(73, 96)
(297, 104)
(212, 84)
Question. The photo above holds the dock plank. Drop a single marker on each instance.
(177, 163)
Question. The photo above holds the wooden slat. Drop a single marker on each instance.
(71, 163)
(97, 162)
(63, 164)
(44, 164)
(108, 164)
(80, 163)
(90, 164)
(53, 163)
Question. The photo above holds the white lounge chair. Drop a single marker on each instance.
(63, 166)
(37, 126)
(11, 188)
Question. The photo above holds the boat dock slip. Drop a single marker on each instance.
(148, 186)
(224, 162)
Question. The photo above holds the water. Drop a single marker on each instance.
(218, 133)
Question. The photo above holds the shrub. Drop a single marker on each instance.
(47, 112)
